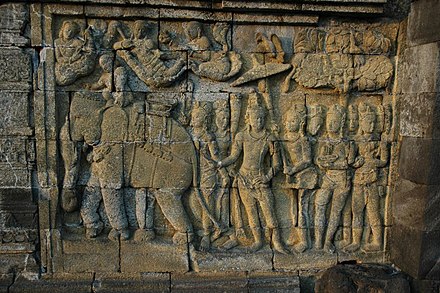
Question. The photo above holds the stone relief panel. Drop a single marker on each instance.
(173, 144)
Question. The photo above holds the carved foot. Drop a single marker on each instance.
(352, 247)
(142, 235)
(371, 247)
(254, 247)
(125, 234)
(114, 234)
(329, 247)
(343, 243)
(230, 243)
(95, 230)
(180, 238)
(300, 247)
(278, 247)
(69, 200)
(205, 243)
(291, 240)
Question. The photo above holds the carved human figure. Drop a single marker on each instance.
(146, 60)
(371, 156)
(227, 203)
(108, 164)
(75, 56)
(105, 82)
(315, 119)
(223, 139)
(301, 175)
(255, 144)
(334, 157)
(207, 151)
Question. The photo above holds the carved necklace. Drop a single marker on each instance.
(258, 136)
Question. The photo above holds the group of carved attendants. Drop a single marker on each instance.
(137, 143)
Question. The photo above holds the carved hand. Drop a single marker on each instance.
(358, 162)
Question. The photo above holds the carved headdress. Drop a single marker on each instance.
(366, 111)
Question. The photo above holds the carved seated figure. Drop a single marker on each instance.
(205, 62)
(371, 156)
(146, 60)
(75, 57)
(255, 145)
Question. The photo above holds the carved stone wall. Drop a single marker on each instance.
(163, 139)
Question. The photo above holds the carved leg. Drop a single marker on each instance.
(250, 206)
(89, 211)
(321, 201)
(373, 211)
(338, 203)
(144, 232)
(267, 207)
(303, 219)
(294, 215)
(115, 209)
(171, 205)
(71, 153)
(358, 206)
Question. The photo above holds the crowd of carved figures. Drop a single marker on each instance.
(332, 158)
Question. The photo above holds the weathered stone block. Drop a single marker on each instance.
(97, 255)
(420, 115)
(421, 65)
(426, 151)
(141, 282)
(154, 256)
(209, 282)
(273, 282)
(420, 257)
(416, 205)
(423, 25)
(231, 261)
(310, 259)
(61, 283)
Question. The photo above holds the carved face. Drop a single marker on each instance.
(334, 123)
(314, 125)
(293, 122)
(222, 119)
(353, 122)
(256, 120)
(193, 30)
(70, 30)
(367, 123)
(106, 63)
(198, 119)
(140, 30)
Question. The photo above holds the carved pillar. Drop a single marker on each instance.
(18, 211)
(416, 229)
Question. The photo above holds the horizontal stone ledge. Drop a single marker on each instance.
(269, 8)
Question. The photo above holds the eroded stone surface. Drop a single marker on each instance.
(174, 140)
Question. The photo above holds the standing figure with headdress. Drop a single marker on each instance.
(301, 175)
(334, 157)
(207, 150)
(372, 155)
(261, 161)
